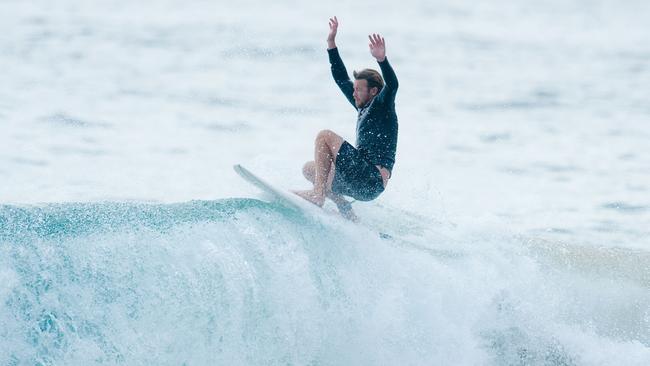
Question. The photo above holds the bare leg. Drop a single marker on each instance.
(326, 148)
(309, 171)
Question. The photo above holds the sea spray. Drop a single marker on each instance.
(242, 281)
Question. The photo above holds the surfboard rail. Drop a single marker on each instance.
(285, 198)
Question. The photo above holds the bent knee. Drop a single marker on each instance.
(325, 135)
(329, 137)
(308, 169)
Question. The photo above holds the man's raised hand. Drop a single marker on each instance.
(377, 47)
(334, 25)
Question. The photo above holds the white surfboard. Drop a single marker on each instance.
(283, 197)
(292, 201)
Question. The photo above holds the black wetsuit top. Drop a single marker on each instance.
(377, 121)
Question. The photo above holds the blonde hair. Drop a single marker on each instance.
(373, 77)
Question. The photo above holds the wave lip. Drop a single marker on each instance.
(70, 219)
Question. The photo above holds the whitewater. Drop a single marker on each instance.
(515, 229)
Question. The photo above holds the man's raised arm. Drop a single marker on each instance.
(339, 72)
(331, 37)
(378, 51)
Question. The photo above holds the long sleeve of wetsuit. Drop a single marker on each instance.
(341, 76)
(388, 92)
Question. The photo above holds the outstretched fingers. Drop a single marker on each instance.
(379, 40)
(377, 46)
(334, 23)
(376, 40)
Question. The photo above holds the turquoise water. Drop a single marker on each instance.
(242, 281)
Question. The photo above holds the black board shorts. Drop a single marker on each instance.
(355, 176)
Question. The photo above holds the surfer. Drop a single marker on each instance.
(362, 171)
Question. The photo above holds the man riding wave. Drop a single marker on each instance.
(362, 172)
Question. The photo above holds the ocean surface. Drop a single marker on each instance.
(515, 229)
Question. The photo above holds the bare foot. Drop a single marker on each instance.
(345, 209)
(312, 197)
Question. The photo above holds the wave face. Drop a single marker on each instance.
(244, 282)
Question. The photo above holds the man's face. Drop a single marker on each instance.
(362, 95)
